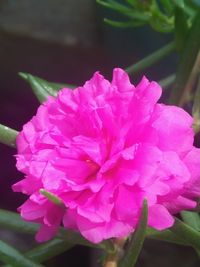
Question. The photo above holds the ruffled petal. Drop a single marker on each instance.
(159, 217)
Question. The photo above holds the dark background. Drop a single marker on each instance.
(66, 41)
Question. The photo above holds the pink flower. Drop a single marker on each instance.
(101, 149)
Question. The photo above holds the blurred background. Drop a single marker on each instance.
(67, 41)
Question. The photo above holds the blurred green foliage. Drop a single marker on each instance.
(159, 14)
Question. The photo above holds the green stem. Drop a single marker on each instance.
(151, 59)
(7, 136)
(187, 61)
(111, 260)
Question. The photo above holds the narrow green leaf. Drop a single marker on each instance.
(47, 250)
(151, 59)
(42, 88)
(168, 6)
(166, 236)
(51, 197)
(181, 28)
(159, 20)
(184, 231)
(132, 252)
(13, 221)
(187, 61)
(8, 136)
(143, 16)
(115, 6)
(13, 257)
(37, 86)
(76, 238)
(123, 24)
(166, 82)
(192, 219)
(161, 23)
(48, 86)
(141, 5)
(132, 3)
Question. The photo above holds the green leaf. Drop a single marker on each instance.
(37, 85)
(187, 61)
(132, 3)
(151, 59)
(180, 233)
(42, 88)
(8, 136)
(184, 231)
(47, 250)
(192, 219)
(166, 236)
(13, 221)
(123, 24)
(114, 5)
(76, 238)
(51, 197)
(161, 23)
(166, 82)
(126, 11)
(133, 250)
(13, 257)
(168, 6)
(140, 5)
(179, 3)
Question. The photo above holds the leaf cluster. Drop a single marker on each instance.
(159, 14)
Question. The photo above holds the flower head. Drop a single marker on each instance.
(102, 149)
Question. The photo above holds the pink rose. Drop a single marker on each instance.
(101, 149)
